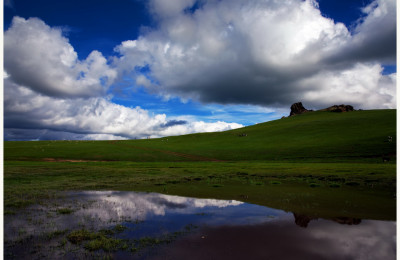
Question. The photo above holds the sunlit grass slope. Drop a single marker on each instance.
(316, 136)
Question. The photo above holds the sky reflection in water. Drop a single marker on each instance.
(227, 229)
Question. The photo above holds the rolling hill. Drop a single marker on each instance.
(316, 136)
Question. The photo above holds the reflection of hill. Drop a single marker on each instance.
(276, 240)
(303, 220)
(348, 221)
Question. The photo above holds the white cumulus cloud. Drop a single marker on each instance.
(263, 52)
(90, 118)
(356, 86)
(42, 59)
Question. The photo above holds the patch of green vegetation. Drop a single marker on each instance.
(19, 203)
(78, 236)
(148, 242)
(9, 212)
(314, 185)
(47, 178)
(96, 240)
(120, 228)
(160, 184)
(201, 214)
(352, 183)
(105, 243)
(104, 240)
(64, 211)
(107, 232)
(56, 233)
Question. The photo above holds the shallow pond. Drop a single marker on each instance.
(122, 225)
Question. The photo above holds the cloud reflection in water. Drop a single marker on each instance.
(116, 205)
(227, 229)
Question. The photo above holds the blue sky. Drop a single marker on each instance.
(134, 68)
(89, 25)
(87, 32)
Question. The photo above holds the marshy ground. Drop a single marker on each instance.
(66, 209)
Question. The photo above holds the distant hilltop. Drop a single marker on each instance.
(298, 108)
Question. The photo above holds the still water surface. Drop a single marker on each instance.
(218, 229)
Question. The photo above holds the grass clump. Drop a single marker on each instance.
(56, 233)
(149, 242)
(78, 236)
(352, 183)
(64, 211)
(96, 240)
(120, 228)
(9, 212)
(18, 203)
(104, 240)
(160, 184)
(314, 185)
(275, 182)
(105, 243)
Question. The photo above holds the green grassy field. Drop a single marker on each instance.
(319, 163)
(317, 136)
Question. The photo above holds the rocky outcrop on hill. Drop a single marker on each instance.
(297, 109)
(339, 108)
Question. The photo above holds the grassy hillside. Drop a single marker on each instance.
(316, 136)
(318, 164)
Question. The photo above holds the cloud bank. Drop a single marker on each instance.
(90, 118)
(50, 94)
(268, 53)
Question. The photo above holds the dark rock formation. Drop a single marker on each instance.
(339, 108)
(297, 109)
(303, 220)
